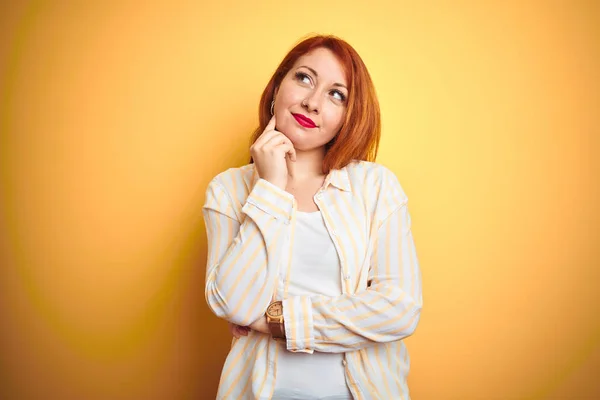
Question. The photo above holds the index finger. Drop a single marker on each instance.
(271, 125)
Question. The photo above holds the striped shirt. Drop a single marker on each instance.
(250, 227)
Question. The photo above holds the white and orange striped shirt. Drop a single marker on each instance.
(250, 227)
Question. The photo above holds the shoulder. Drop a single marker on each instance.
(227, 191)
(234, 180)
(376, 179)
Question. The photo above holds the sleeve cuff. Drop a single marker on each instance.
(298, 320)
(270, 199)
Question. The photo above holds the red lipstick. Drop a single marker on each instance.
(304, 121)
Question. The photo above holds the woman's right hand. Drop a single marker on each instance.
(270, 152)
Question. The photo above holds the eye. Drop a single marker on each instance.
(302, 77)
(341, 96)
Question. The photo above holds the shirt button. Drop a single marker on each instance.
(344, 363)
(334, 233)
(346, 277)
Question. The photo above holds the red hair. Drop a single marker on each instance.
(358, 138)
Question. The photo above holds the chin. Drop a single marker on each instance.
(302, 145)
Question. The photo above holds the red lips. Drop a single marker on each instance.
(304, 121)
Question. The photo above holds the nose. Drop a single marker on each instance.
(312, 103)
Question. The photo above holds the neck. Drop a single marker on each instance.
(309, 164)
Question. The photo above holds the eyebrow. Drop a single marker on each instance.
(317, 75)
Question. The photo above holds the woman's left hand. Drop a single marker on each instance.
(260, 325)
(237, 331)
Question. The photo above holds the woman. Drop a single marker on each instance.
(310, 254)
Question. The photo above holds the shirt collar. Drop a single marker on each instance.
(336, 177)
(339, 178)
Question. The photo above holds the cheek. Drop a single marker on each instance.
(335, 119)
(288, 93)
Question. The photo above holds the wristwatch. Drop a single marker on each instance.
(275, 320)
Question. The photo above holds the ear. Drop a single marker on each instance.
(275, 92)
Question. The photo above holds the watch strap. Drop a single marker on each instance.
(277, 329)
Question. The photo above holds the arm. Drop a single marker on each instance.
(243, 258)
(387, 310)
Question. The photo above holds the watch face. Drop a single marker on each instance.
(275, 309)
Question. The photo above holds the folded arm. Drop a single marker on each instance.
(387, 310)
(243, 258)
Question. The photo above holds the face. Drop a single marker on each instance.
(310, 103)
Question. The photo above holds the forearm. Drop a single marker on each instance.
(349, 322)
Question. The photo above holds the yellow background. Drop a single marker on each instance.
(114, 117)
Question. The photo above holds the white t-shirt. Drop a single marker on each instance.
(315, 270)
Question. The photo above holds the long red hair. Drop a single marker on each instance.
(358, 138)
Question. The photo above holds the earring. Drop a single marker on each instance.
(272, 106)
